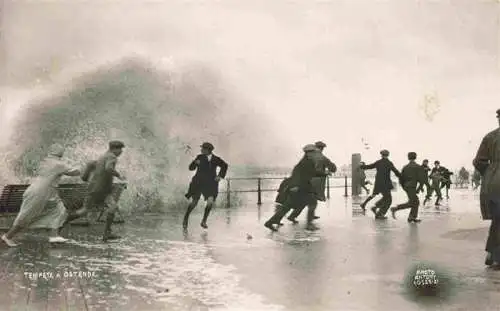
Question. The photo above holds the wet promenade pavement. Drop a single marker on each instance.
(352, 263)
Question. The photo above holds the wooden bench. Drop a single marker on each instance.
(72, 195)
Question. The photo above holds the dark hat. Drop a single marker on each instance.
(309, 148)
(207, 145)
(384, 152)
(320, 144)
(412, 155)
(437, 162)
(116, 144)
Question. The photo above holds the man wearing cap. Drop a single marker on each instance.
(383, 183)
(100, 187)
(300, 190)
(323, 164)
(412, 176)
(205, 181)
(487, 162)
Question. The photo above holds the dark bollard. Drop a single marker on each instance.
(328, 187)
(259, 192)
(345, 186)
(228, 193)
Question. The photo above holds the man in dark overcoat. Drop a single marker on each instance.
(412, 178)
(487, 162)
(300, 191)
(383, 183)
(205, 181)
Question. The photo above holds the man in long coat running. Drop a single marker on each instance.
(383, 183)
(300, 191)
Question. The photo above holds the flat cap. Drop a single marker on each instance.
(384, 152)
(116, 144)
(309, 147)
(320, 144)
(207, 145)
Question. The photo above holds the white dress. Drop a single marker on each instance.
(42, 207)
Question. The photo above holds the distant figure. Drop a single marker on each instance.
(463, 177)
(436, 179)
(446, 180)
(299, 190)
(487, 162)
(476, 179)
(383, 184)
(362, 179)
(205, 181)
(42, 207)
(100, 174)
(323, 164)
(412, 177)
(426, 169)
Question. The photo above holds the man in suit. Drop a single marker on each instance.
(412, 175)
(383, 183)
(436, 178)
(323, 164)
(487, 162)
(205, 181)
(300, 191)
(100, 187)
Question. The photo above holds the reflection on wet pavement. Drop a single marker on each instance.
(351, 263)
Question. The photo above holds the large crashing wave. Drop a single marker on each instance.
(161, 116)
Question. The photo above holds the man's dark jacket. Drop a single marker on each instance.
(383, 182)
(206, 171)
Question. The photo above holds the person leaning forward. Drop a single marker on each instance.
(413, 177)
(324, 165)
(383, 183)
(300, 191)
(100, 187)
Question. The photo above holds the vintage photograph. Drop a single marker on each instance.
(249, 155)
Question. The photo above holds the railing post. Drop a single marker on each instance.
(328, 187)
(228, 193)
(345, 186)
(259, 192)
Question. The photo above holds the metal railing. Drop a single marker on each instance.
(259, 190)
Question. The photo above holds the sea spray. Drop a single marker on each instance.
(161, 123)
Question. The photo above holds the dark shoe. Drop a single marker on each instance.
(380, 217)
(269, 226)
(316, 217)
(293, 220)
(411, 220)
(280, 224)
(393, 212)
(110, 236)
(204, 225)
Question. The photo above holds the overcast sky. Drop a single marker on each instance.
(339, 71)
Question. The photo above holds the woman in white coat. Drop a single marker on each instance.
(42, 208)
